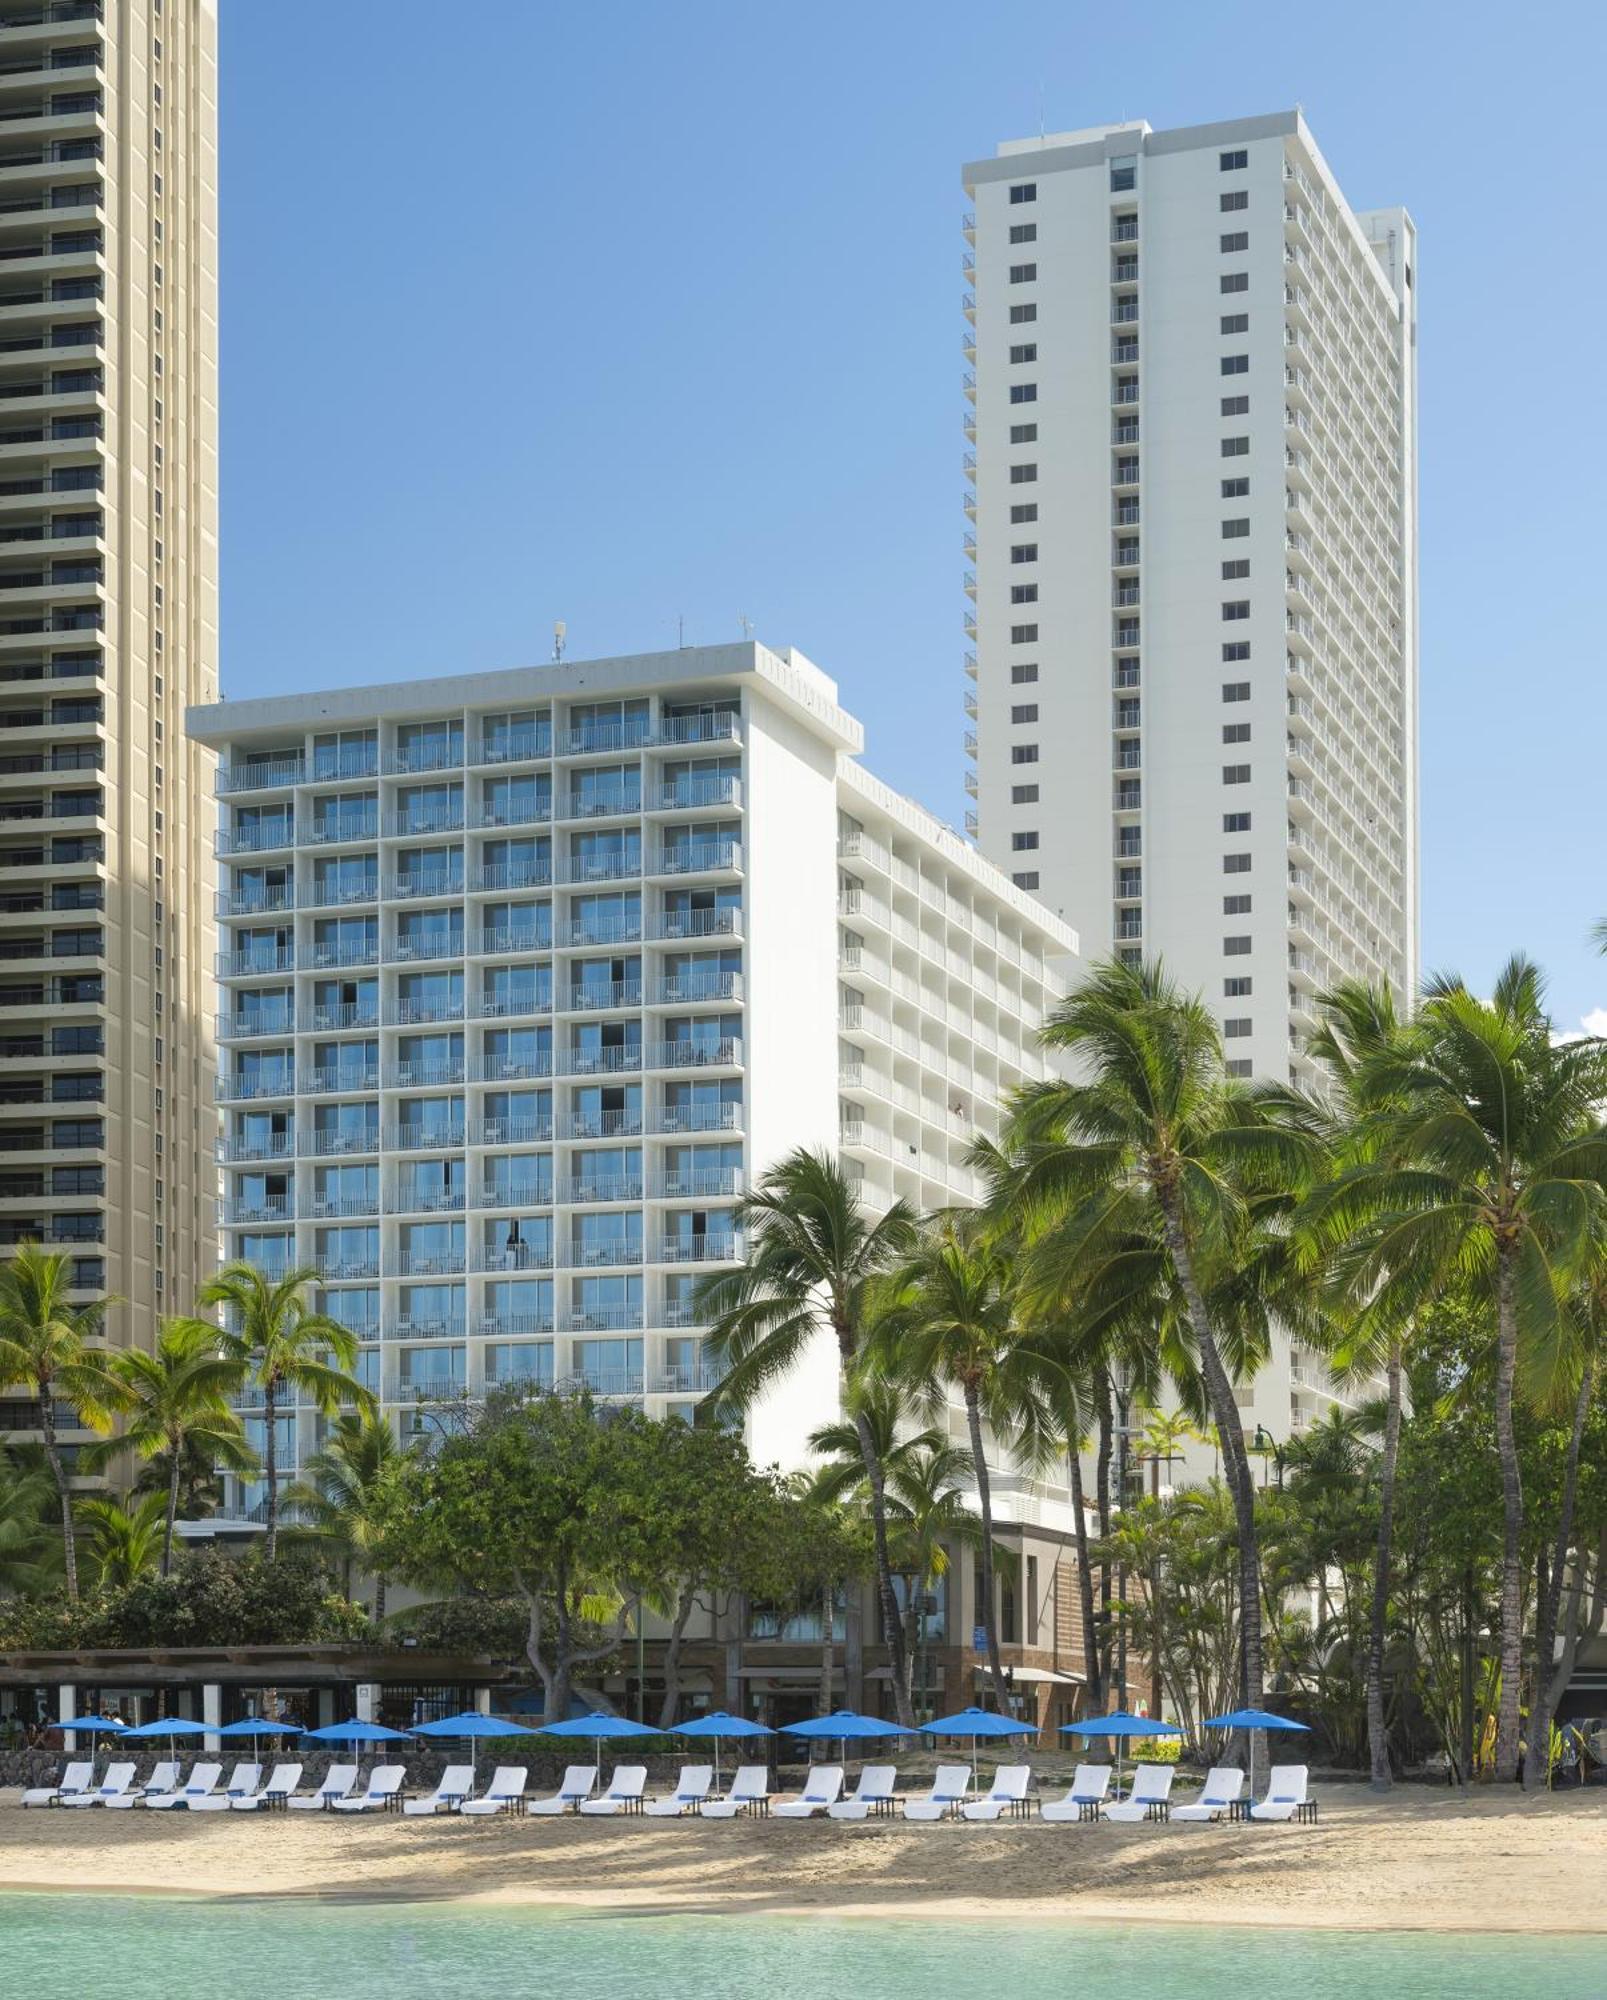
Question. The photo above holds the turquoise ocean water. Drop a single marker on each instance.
(136, 1947)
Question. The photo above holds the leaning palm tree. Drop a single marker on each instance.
(1487, 1183)
(949, 1324)
(1151, 1175)
(176, 1400)
(279, 1345)
(47, 1347)
(814, 1262)
(124, 1543)
(340, 1493)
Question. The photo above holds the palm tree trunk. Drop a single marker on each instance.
(828, 1648)
(1506, 1367)
(1377, 1731)
(1085, 1580)
(172, 1508)
(270, 1471)
(58, 1472)
(1102, 1499)
(379, 1598)
(1235, 1459)
(984, 1494)
(887, 1597)
(1537, 1765)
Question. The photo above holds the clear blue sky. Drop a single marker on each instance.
(630, 312)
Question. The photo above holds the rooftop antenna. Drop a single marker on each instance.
(1041, 133)
(560, 632)
(746, 623)
(680, 630)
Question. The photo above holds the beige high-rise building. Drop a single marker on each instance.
(108, 628)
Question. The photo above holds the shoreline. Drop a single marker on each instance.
(1429, 1863)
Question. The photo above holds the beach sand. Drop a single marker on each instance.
(1420, 1859)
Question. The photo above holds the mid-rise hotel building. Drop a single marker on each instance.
(108, 616)
(1192, 433)
(525, 975)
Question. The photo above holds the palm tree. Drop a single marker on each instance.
(176, 1400)
(340, 1492)
(1359, 1029)
(950, 1323)
(814, 1261)
(125, 1544)
(278, 1344)
(1153, 1180)
(46, 1348)
(927, 1509)
(1487, 1182)
(28, 1551)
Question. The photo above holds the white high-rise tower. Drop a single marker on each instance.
(1194, 564)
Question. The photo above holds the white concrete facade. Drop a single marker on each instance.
(525, 975)
(1193, 565)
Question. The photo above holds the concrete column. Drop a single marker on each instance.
(66, 1709)
(482, 1701)
(212, 1715)
(367, 1701)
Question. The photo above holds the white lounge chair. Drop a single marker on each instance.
(1221, 1790)
(338, 1781)
(1286, 1795)
(1011, 1784)
(1150, 1796)
(164, 1778)
(624, 1794)
(691, 1789)
(243, 1781)
(201, 1784)
(749, 1793)
(876, 1792)
(1089, 1784)
(118, 1779)
(950, 1789)
(506, 1789)
(282, 1782)
(384, 1782)
(578, 1783)
(457, 1782)
(78, 1777)
(822, 1788)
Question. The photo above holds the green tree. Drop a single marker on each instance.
(175, 1401)
(815, 1263)
(47, 1346)
(124, 1543)
(29, 1553)
(1486, 1180)
(1154, 1179)
(341, 1495)
(281, 1347)
(950, 1324)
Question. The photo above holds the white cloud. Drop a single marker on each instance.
(1593, 1023)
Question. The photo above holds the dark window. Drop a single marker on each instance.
(1231, 162)
(1238, 1026)
(1023, 635)
(1023, 672)
(1236, 947)
(1236, 489)
(1024, 191)
(1023, 552)
(1236, 447)
(1023, 753)
(1235, 364)
(1024, 510)
(1239, 198)
(1024, 711)
(1023, 274)
(1023, 232)
(1235, 322)
(1023, 593)
(1024, 434)
(1236, 239)
(1123, 175)
(1236, 649)
(1235, 732)
(1235, 822)
(1235, 281)
(1023, 392)
(1024, 843)
(1233, 530)
(1237, 988)
(1236, 607)
(1023, 315)
(1235, 406)
(1023, 475)
(1235, 774)
(1028, 879)
(1235, 906)
(1027, 351)
(1023, 795)
(1237, 570)
(1235, 690)
(1235, 864)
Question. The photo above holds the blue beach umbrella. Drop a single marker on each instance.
(719, 1725)
(471, 1725)
(93, 1726)
(596, 1726)
(1250, 1720)
(170, 1726)
(1120, 1727)
(975, 1722)
(847, 1726)
(262, 1725)
(358, 1732)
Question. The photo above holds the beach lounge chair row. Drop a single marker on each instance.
(950, 1795)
